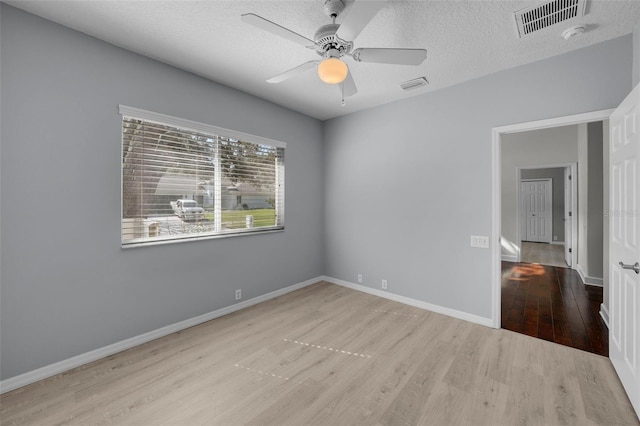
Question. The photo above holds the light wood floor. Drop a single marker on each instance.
(334, 356)
(545, 254)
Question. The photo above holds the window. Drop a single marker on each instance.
(183, 180)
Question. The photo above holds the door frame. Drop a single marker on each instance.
(496, 193)
(569, 193)
(574, 207)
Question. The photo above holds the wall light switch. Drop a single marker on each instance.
(479, 241)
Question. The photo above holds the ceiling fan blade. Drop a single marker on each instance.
(276, 29)
(361, 12)
(293, 72)
(390, 56)
(349, 86)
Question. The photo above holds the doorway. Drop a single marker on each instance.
(497, 191)
(540, 296)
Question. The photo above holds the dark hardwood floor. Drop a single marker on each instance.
(551, 303)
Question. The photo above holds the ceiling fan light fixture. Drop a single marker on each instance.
(332, 71)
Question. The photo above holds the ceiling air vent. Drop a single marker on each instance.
(414, 84)
(546, 14)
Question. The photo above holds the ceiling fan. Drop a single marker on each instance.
(334, 41)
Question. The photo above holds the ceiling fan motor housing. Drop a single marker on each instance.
(326, 40)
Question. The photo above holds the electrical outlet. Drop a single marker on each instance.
(384, 284)
(238, 294)
(479, 241)
(360, 278)
(555, 238)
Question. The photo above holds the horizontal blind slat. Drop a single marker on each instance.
(163, 163)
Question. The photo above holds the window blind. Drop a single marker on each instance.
(183, 180)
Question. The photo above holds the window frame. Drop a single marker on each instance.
(127, 112)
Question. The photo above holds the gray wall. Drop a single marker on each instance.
(594, 202)
(583, 197)
(557, 145)
(636, 54)
(439, 146)
(557, 184)
(590, 199)
(67, 286)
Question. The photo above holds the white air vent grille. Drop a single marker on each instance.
(543, 15)
(414, 84)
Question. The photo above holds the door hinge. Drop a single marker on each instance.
(569, 177)
(570, 214)
(570, 251)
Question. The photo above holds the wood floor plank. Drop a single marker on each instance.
(486, 403)
(408, 405)
(562, 389)
(327, 355)
(528, 354)
(525, 404)
(597, 384)
(461, 373)
(496, 359)
(284, 409)
(445, 406)
(359, 380)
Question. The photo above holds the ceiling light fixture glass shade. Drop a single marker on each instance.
(332, 71)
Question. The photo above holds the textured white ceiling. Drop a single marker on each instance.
(464, 40)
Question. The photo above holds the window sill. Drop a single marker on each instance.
(204, 237)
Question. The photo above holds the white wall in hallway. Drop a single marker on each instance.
(583, 195)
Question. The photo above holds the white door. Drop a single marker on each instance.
(568, 215)
(536, 210)
(624, 245)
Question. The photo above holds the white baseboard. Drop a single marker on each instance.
(598, 282)
(604, 313)
(557, 243)
(487, 322)
(85, 358)
(510, 258)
